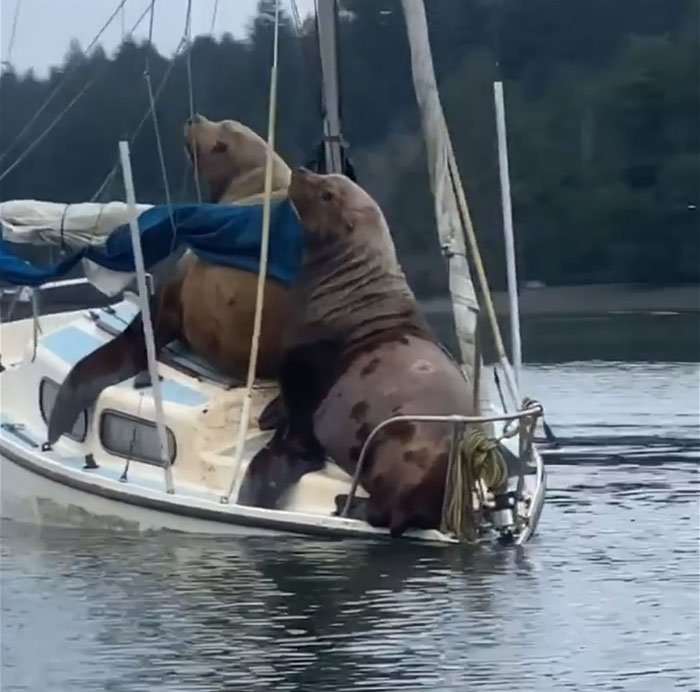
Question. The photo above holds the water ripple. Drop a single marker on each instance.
(604, 598)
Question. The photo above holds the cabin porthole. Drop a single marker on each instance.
(134, 438)
(48, 391)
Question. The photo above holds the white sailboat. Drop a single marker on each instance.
(171, 455)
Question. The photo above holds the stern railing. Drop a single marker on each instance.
(525, 421)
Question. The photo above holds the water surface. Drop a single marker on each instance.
(604, 598)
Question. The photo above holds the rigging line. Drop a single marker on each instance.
(308, 62)
(112, 172)
(61, 83)
(144, 118)
(57, 119)
(142, 16)
(190, 89)
(182, 194)
(297, 18)
(53, 124)
(14, 32)
(156, 129)
(159, 146)
(152, 10)
(300, 42)
(116, 165)
(183, 42)
(213, 16)
(262, 272)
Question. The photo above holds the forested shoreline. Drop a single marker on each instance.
(602, 104)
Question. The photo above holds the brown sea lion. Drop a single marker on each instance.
(359, 352)
(230, 157)
(210, 307)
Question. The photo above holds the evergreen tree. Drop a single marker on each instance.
(602, 103)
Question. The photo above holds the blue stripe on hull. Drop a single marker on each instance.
(72, 344)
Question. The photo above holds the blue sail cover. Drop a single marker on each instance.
(227, 235)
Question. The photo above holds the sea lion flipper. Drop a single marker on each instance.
(113, 362)
(358, 507)
(118, 359)
(276, 468)
(274, 415)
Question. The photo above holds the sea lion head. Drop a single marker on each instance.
(333, 210)
(351, 282)
(227, 151)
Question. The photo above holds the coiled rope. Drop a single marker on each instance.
(476, 458)
(475, 463)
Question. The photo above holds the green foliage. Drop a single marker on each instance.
(602, 104)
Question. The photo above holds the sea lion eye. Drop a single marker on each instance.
(220, 147)
(326, 195)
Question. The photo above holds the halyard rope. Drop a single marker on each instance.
(252, 363)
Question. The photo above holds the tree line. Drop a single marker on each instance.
(602, 109)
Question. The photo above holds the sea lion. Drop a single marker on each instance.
(230, 157)
(358, 352)
(210, 307)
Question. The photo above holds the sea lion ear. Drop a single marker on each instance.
(220, 147)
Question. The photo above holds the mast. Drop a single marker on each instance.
(326, 19)
(464, 304)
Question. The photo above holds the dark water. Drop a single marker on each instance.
(623, 337)
(605, 598)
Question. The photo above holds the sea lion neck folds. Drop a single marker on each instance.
(351, 282)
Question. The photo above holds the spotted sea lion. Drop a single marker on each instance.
(210, 307)
(359, 352)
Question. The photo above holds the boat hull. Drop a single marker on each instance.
(40, 491)
(79, 481)
(32, 498)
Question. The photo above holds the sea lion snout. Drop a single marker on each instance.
(300, 178)
(196, 119)
(299, 192)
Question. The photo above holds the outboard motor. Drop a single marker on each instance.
(503, 515)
